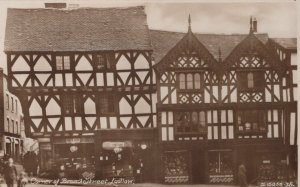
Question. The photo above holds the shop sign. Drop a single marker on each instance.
(73, 140)
(113, 145)
(44, 146)
(266, 161)
(44, 139)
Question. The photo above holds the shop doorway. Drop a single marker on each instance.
(77, 160)
(248, 157)
(198, 167)
(128, 160)
(220, 166)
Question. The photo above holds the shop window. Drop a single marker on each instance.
(251, 121)
(220, 166)
(106, 104)
(103, 61)
(189, 81)
(63, 63)
(176, 166)
(251, 81)
(72, 104)
(191, 122)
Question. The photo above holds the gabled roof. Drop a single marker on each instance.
(163, 41)
(288, 43)
(83, 29)
(256, 45)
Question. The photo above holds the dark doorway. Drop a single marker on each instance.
(248, 157)
(198, 167)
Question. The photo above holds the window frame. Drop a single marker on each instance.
(107, 61)
(196, 82)
(63, 62)
(245, 82)
(189, 115)
(69, 102)
(107, 100)
(252, 117)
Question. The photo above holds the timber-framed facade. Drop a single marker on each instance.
(153, 106)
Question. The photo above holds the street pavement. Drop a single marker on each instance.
(132, 185)
(37, 182)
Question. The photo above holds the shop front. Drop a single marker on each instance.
(220, 166)
(74, 156)
(125, 155)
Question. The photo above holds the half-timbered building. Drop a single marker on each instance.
(223, 100)
(85, 80)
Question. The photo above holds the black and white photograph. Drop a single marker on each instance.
(149, 93)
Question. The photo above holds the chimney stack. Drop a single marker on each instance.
(254, 25)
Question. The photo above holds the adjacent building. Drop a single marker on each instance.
(105, 95)
(12, 122)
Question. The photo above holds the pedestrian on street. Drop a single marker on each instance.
(242, 177)
(10, 173)
(22, 180)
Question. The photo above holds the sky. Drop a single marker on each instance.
(278, 18)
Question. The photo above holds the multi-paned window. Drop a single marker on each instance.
(191, 122)
(251, 121)
(72, 104)
(63, 62)
(103, 61)
(106, 104)
(253, 80)
(189, 81)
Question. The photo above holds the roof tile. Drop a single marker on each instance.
(83, 29)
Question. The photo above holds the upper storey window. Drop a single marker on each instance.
(251, 121)
(63, 63)
(71, 104)
(251, 81)
(102, 61)
(189, 81)
(191, 122)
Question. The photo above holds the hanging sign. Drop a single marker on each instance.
(113, 145)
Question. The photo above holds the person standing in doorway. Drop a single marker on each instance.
(242, 177)
(10, 173)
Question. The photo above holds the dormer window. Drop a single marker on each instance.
(63, 63)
